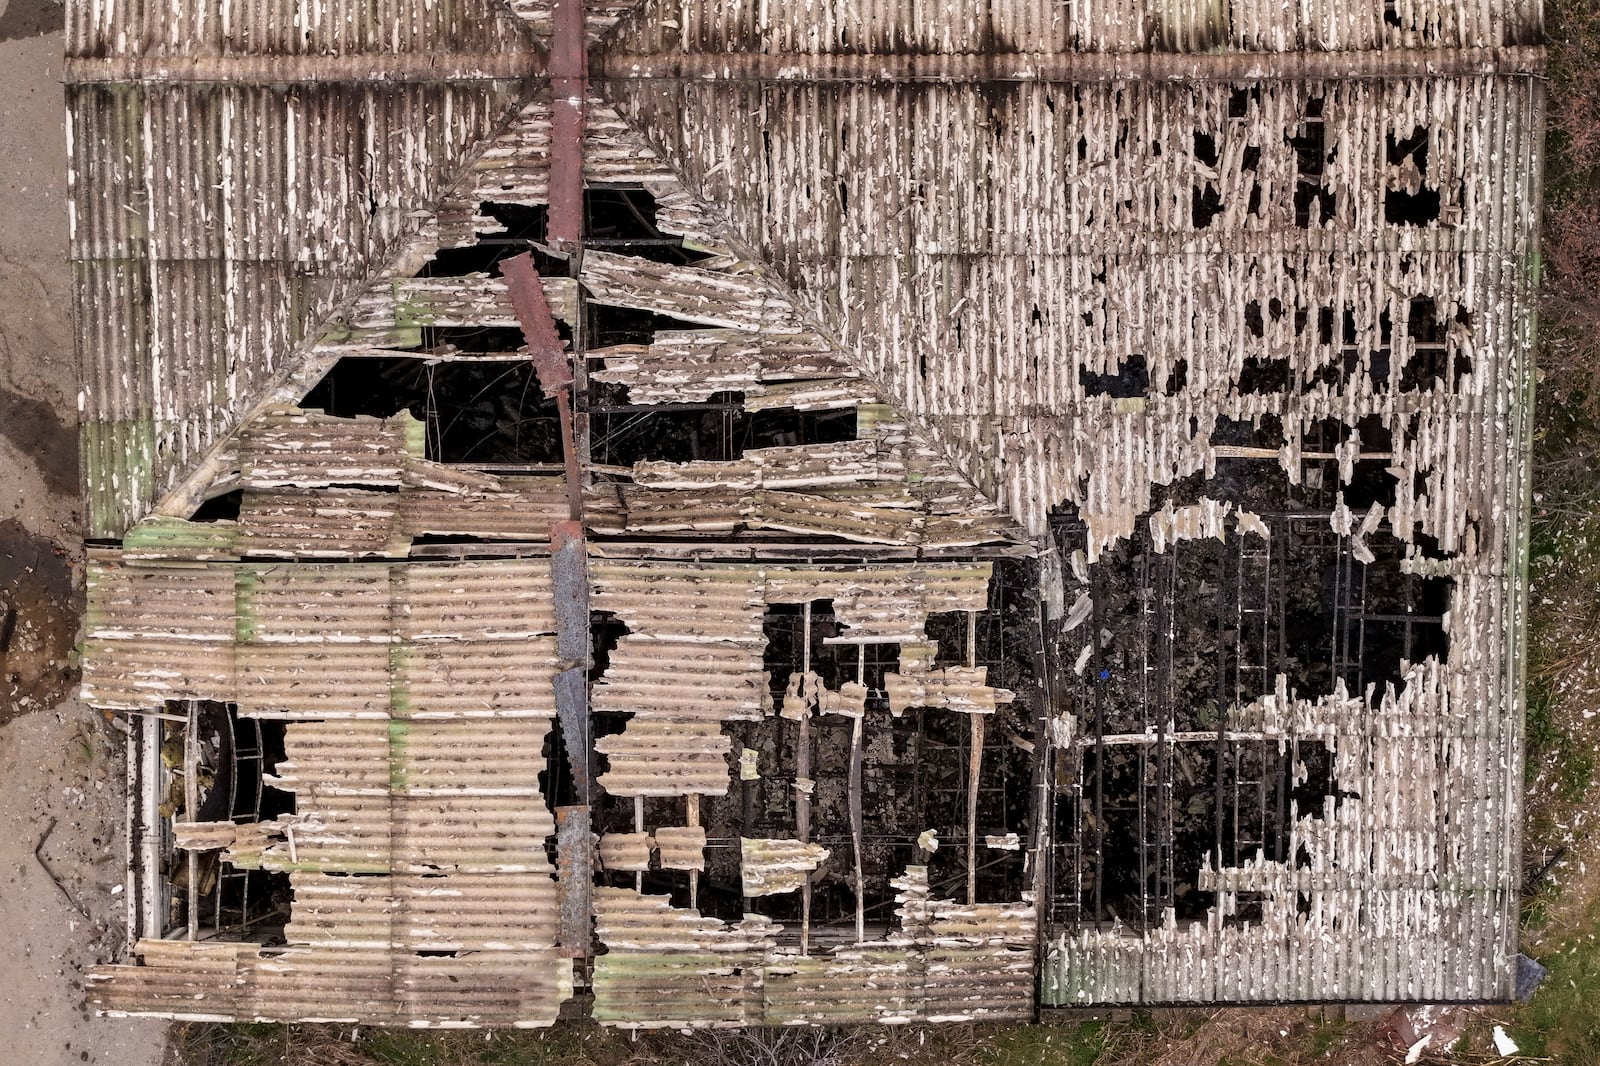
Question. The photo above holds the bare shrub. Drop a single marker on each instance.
(772, 1046)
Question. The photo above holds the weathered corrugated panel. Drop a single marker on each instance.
(239, 982)
(691, 660)
(156, 634)
(175, 539)
(690, 365)
(651, 990)
(682, 847)
(1382, 927)
(767, 867)
(388, 318)
(885, 603)
(307, 449)
(625, 851)
(890, 27)
(330, 525)
(694, 294)
(436, 793)
(947, 962)
(279, 27)
(314, 640)
(599, 15)
(626, 508)
(771, 356)
(420, 702)
(858, 986)
(522, 509)
(191, 295)
(663, 756)
(648, 923)
(955, 688)
(1005, 331)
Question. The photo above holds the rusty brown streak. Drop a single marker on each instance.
(549, 360)
(569, 90)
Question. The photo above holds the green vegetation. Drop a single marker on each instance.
(1561, 912)
(1563, 1021)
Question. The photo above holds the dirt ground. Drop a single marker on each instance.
(61, 811)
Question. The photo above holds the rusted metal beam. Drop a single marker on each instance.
(575, 877)
(408, 68)
(550, 362)
(1073, 66)
(569, 92)
(570, 580)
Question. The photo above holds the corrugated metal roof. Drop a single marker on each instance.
(420, 701)
(682, 847)
(888, 27)
(228, 982)
(945, 963)
(341, 525)
(995, 318)
(193, 298)
(965, 265)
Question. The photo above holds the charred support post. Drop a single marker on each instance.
(191, 805)
(638, 827)
(803, 785)
(855, 799)
(691, 818)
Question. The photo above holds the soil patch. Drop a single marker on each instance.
(35, 428)
(38, 622)
(31, 18)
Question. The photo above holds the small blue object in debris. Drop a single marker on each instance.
(1105, 675)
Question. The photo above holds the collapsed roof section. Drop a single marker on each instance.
(318, 588)
(872, 537)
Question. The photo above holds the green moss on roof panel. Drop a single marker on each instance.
(416, 434)
(246, 581)
(399, 691)
(410, 312)
(119, 471)
(177, 536)
(399, 744)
